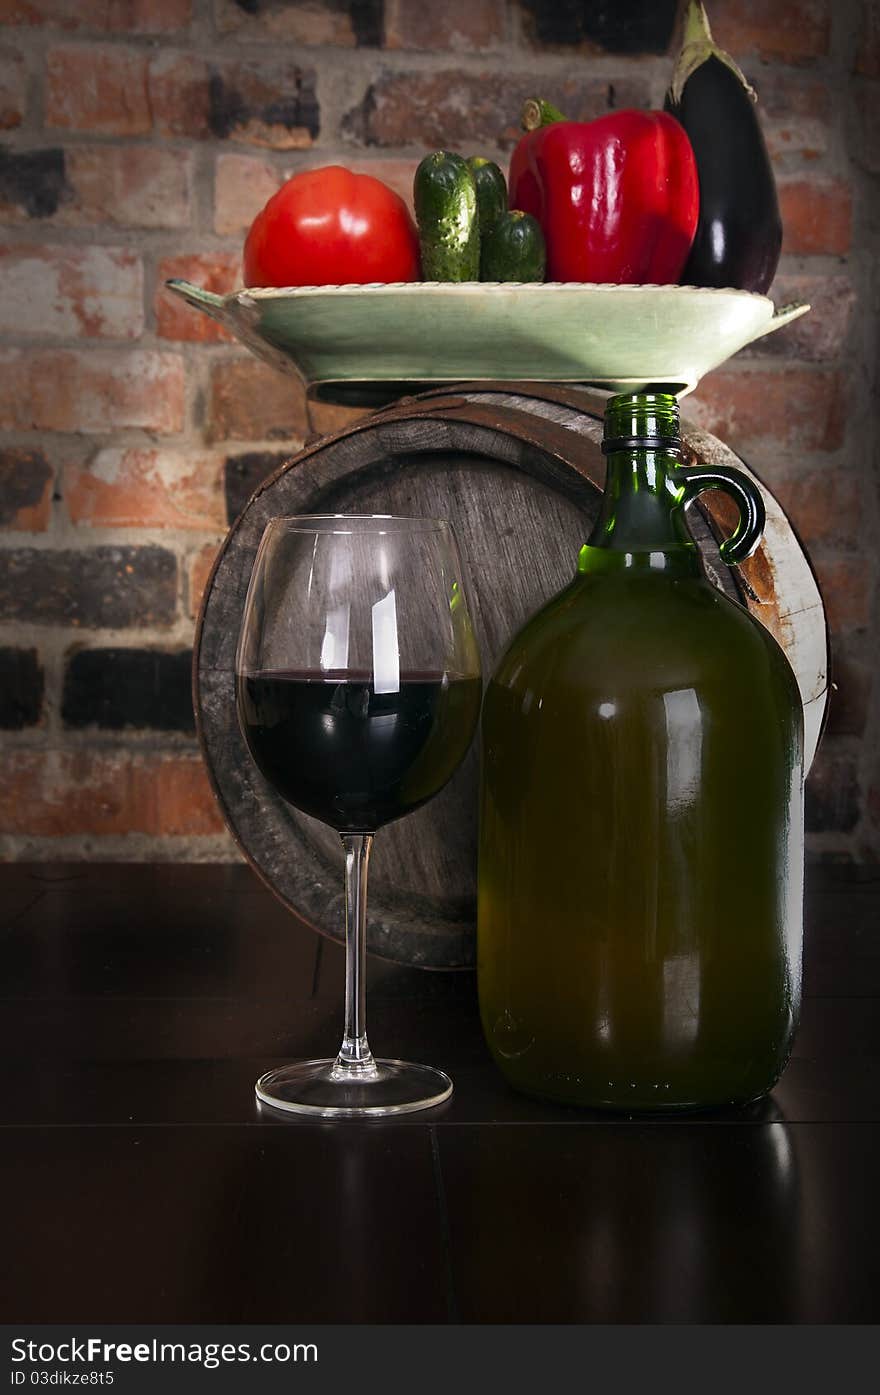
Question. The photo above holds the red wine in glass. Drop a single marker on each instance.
(358, 693)
(354, 758)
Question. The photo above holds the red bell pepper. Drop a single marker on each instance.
(617, 198)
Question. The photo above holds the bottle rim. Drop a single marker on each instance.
(642, 420)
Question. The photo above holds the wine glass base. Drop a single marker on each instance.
(314, 1087)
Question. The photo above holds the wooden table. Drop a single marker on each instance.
(141, 1184)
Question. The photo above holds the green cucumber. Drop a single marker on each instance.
(513, 250)
(445, 199)
(491, 192)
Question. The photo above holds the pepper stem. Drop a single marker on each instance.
(697, 45)
(537, 113)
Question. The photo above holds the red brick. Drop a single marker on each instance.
(26, 479)
(788, 29)
(799, 138)
(13, 88)
(794, 109)
(796, 408)
(325, 418)
(845, 583)
(199, 571)
(456, 24)
(91, 390)
(102, 88)
(867, 60)
(272, 105)
(295, 22)
(219, 272)
(816, 215)
(824, 504)
(474, 111)
(137, 186)
(252, 401)
(180, 95)
(789, 93)
(87, 292)
(115, 17)
(121, 91)
(819, 335)
(149, 488)
(54, 794)
(242, 185)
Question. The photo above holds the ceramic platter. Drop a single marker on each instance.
(363, 345)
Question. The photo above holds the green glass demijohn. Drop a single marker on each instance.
(641, 833)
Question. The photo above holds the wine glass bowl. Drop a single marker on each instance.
(358, 691)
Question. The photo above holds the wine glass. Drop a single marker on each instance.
(358, 691)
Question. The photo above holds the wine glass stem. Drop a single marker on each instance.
(355, 1057)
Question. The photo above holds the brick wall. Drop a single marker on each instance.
(137, 140)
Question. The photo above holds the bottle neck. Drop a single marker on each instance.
(641, 522)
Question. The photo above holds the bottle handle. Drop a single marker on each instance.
(745, 494)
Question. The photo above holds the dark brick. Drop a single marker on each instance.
(368, 22)
(230, 111)
(866, 149)
(242, 475)
(21, 689)
(117, 688)
(95, 587)
(469, 110)
(867, 60)
(367, 17)
(832, 803)
(24, 475)
(637, 26)
(850, 699)
(267, 104)
(33, 180)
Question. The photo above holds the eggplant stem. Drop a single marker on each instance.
(697, 45)
(696, 25)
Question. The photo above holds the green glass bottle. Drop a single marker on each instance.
(641, 837)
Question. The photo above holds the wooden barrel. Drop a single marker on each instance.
(518, 469)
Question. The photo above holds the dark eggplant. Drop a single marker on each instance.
(739, 233)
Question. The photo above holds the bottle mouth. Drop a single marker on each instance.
(642, 421)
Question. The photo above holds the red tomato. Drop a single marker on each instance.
(329, 227)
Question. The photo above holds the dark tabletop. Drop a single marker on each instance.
(140, 1182)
